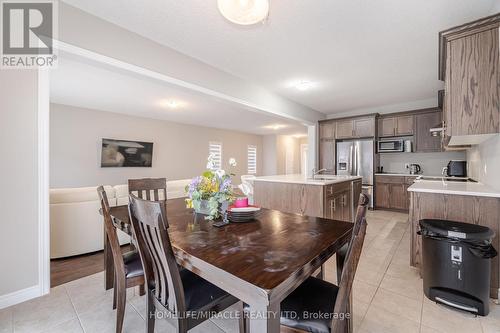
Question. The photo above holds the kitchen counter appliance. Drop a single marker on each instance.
(456, 169)
(391, 146)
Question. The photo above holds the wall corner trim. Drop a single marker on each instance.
(20, 296)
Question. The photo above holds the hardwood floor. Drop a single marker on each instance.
(73, 268)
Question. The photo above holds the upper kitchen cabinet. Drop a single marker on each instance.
(363, 127)
(425, 142)
(327, 130)
(395, 126)
(327, 155)
(469, 65)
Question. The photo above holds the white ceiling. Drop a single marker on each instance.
(91, 86)
(361, 53)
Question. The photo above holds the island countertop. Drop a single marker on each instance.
(457, 188)
(301, 179)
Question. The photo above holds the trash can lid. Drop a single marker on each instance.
(453, 229)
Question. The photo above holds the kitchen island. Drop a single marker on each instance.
(333, 197)
(467, 202)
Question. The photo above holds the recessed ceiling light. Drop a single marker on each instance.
(304, 85)
(275, 126)
(171, 103)
(244, 12)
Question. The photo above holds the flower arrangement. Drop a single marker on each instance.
(210, 191)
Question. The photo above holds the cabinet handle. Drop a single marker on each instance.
(332, 206)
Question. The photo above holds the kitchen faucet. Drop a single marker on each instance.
(317, 172)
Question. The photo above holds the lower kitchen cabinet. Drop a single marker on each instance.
(338, 204)
(391, 192)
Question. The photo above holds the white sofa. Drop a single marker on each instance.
(76, 227)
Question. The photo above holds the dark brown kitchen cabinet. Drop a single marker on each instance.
(327, 130)
(387, 127)
(404, 125)
(391, 192)
(344, 129)
(356, 191)
(338, 204)
(364, 127)
(424, 141)
(469, 65)
(327, 155)
(355, 128)
(395, 126)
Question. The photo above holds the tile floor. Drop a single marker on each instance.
(387, 297)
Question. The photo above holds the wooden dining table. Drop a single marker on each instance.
(258, 262)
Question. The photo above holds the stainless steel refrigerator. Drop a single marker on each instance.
(356, 158)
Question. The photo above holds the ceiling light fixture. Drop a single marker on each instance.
(275, 126)
(170, 103)
(304, 85)
(244, 12)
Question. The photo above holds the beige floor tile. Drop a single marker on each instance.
(227, 320)
(43, 313)
(379, 320)
(359, 310)
(370, 273)
(88, 293)
(103, 320)
(445, 319)
(208, 327)
(397, 304)
(71, 326)
(412, 288)
(6, 320)
(363, 291)
(426, 329)
(402, 270)
(491, 323)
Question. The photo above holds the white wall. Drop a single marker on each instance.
(484, 162)
(431, 163)
(269, 158)
(19, 182)
(179, 151)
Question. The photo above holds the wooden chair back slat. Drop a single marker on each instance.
(111, 234)
(350, 264)
(148, 188)
(150, 229)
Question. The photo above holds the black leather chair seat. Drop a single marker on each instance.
(314, 296)
(198, 292)
(133, 265)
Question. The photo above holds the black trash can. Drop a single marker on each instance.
(456, 264)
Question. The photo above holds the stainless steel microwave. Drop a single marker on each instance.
(391, 146)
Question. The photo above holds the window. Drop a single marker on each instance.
(252, 160)
(215, 148)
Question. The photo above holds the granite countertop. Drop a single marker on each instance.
(301, 179)
(458, 188)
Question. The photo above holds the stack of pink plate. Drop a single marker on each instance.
(242, 214)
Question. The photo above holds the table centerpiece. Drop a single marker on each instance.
(211, 193)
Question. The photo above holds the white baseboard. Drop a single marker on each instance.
(19, 296)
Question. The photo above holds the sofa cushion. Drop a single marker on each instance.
(175, 189)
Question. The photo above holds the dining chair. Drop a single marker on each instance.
(127, 266)
(149, 188)
(320, 306)
(319, 296)
(182, 297)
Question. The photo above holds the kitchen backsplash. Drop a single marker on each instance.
(484, 162)
(431, 163)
